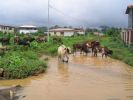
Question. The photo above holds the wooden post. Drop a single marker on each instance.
(129, 39)
(124, 37)
(48, 19)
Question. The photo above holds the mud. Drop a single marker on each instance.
(83, 78)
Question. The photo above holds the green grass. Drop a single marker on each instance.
(120, 51)
(21, 64)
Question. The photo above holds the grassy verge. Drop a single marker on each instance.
(21, 64)
(121, 52)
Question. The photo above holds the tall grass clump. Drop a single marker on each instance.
(120, 51)
(18, 65)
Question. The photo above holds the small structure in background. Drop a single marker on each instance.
(127, 34)
(7, 29)
(98, 34)
(26, 29)
(80, 31)
(66, 31)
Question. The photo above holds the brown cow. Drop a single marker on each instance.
(106, 52)
(95, 45)
(77, 46)
(85, 47)
(41, 39)
(82, 47)
(5, 40)
(16, 39)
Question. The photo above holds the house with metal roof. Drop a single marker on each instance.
(7, 29)
(129, 11)
(26, 29)
(127, 34)
(66, 31)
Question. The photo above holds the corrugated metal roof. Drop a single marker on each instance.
(61, 30)
(6, 26)
(67, 29)
(28, 26)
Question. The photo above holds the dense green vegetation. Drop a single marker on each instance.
(20, 61)
(121, 51)
(21, 64)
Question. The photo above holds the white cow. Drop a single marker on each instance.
(63, 52)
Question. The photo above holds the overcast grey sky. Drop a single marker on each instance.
(90, 13)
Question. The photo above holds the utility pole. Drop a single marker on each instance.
(48, 20)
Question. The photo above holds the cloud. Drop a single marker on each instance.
(64, 12)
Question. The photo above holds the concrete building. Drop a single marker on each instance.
(66, 31)
(80, 31)
(98, 34)
(127, 34)
(7, 29)
(129, 11)
(26, 29)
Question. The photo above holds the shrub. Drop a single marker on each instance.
(35, 45)
(20, 65)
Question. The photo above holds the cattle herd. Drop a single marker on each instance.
(84, 48)
(27, 39)
(93, 47)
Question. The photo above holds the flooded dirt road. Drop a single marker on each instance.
(83, 78)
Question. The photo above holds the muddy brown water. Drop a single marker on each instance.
(83, 78)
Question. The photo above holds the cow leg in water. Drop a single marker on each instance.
(74, 51)
(62, 58)
(92, 51)
(102, 55)
(81, 51)
(65, 58)
(106, 55)
(96, 54)
(59, 58)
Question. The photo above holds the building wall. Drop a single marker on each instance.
(81, 33)
(61, 34)
(132, 37)
(6, 29)
(130, 19)
(68, 33)
(127, 37)
(27, 31)
(52, 33)
(55, 33)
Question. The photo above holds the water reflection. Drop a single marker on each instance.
(22, 82)
(63, 70)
